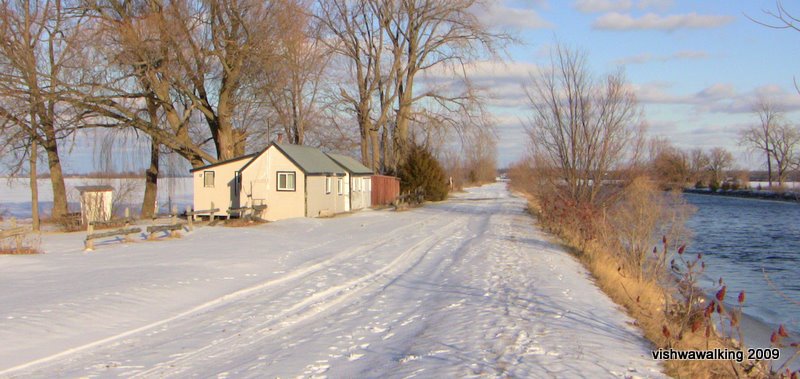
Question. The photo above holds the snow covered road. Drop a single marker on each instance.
(463, 288)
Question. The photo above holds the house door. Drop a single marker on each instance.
(347, 195)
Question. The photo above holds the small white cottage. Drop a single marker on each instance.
(96, 203)
(290, 180)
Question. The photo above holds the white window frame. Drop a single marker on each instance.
(340, 186)
(328, 185)
(287, 175)
(237, 180)
(206, 184)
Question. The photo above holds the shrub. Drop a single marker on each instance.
(700, 185)
(726, 186)
(713, 185)
(422, 172)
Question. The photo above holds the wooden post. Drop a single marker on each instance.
(18, 237)
(89, 242)
(152, 236)
(189, 217)
(212, 212)
(174, 221)
(128, 224)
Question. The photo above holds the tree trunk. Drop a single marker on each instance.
(56, 175)
(363, 126)
(387, 153)
(34, 186)
(376, 151)
(151, 183)
(769, 169)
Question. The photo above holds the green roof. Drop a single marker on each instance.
(311, 160)
(350, 164)
(248, 156)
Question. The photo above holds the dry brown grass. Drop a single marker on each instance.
(22, 251)
(241, 222)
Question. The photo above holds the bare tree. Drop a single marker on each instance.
(294, 75)
(41, 44)
(580, 126)
(192, 58)
(760, 137)
(357, 31)
(785, 144)
(698, 162)
(445, 35)
(719, 162)
(671, 166)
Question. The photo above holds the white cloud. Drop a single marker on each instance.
(652, 21)
(597, 6)
(648, 57)
(656, 4)
(499, 14)
(594, 6)
(719, 97)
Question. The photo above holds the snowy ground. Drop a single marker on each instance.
(463, 288)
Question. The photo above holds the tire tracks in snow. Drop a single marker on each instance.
(314, 305)
(397, 234)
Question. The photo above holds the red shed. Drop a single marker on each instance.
(384, 189)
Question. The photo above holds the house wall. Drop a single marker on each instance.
(96, 206)
(223, 193)
(360, 196)
(259, 186)
(343, 201)
(319, 201)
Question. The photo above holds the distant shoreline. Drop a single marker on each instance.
(91, 176)
(791, 197)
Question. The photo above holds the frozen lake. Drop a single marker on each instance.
(15, 194)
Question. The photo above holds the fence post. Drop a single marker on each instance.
(152, 236)
(189, 218)
(212, 213)
(18, 237)
(127, 224)
(89, 244)
(174, 220)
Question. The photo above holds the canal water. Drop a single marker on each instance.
(753, 245)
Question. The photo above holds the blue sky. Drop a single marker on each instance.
(697, 66)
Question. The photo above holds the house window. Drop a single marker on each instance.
(328, 185)
(286, 181)
(341, 186)
(356, 184)
(208, 179)
(237, 181)
(367, 185)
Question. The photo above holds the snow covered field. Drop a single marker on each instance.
(463, 288)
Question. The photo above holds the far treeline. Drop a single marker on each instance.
(211, 80)
(774, 138)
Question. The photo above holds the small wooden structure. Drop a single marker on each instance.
(385, 189)
(95, 203)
